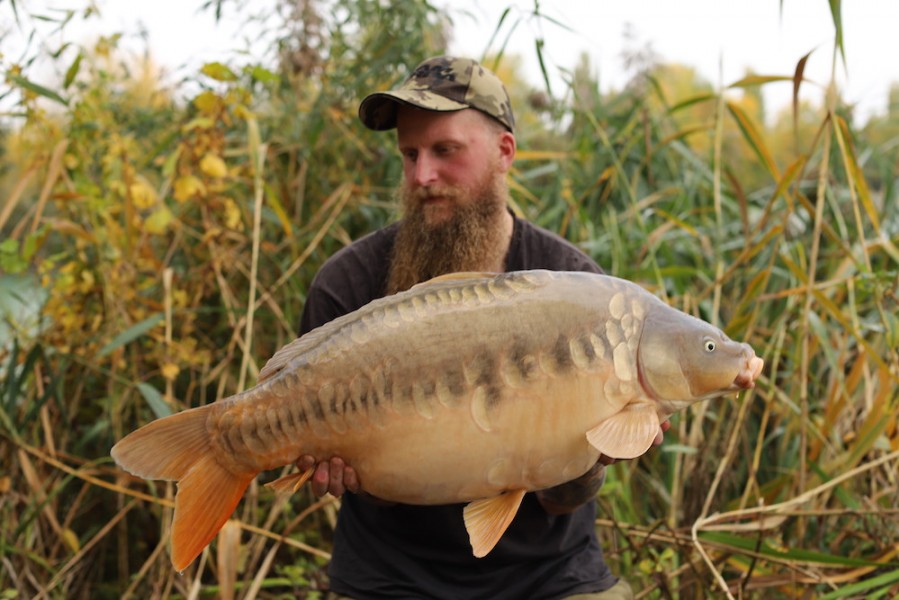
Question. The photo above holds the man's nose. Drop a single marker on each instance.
(425, 170)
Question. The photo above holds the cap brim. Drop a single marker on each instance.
(378, 111)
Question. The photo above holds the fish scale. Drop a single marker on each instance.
(469, 388)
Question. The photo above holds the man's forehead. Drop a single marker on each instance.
(413, 123)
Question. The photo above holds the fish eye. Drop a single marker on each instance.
(709, 345)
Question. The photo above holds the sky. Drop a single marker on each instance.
(720, 38)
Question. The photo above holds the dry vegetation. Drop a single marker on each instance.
(155, 251)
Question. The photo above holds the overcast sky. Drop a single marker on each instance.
(721, 38)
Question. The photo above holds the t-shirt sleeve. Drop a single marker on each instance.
(322, 305)
(349, 280)
(536, 248)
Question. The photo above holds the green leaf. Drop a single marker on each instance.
(37, 89)
(132, 333)
(154, 400)
(754, 80)
(218, 71)
(11, 260)
(262, 74)
(753, 137)
(836, 11)
(72, 71)
(696, 99)
(866, 585)
(678, 449)
(797, 554)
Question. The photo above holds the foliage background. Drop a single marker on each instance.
(155, 251)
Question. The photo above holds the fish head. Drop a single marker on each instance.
(682, 360)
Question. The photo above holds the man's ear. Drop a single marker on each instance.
(507, 147)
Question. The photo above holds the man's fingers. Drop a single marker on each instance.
(321, 478)
(336, 486)
(305, 462)
(350, 480)
(660, 436)
(332, 476)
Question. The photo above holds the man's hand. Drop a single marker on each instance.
(330, 477)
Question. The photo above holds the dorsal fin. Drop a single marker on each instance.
(287, 353)
(461, 275)
(310, 340)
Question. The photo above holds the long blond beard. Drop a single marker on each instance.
(471, 239)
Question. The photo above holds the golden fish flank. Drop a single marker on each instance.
(469, 388)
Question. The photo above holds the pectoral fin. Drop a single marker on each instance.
(627, 434)
(291, 483)
(486, 520)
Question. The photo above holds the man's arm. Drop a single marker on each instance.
(568, 497)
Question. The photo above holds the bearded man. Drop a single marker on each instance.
(454, 126)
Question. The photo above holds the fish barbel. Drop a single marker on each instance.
(469, 388)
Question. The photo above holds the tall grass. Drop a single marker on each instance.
(174, 241)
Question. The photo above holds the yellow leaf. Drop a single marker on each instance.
(213, 166)
(218, 71)
(187, 187)
(208, 102)
(71, 540)
(233, 218)
(242, 112)
(179, 298)
(87, 282)
(142, 194)
(198, 123)
(170, 371)
(159, 220)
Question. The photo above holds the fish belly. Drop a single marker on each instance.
(531, 440)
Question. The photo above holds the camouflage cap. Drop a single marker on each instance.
(441, 84)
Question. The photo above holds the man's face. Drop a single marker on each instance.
(448, 159)
(453, 196)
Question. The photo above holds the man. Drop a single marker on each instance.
(454, 127)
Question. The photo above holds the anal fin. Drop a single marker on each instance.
(627, 434)
(486, 520)
(291, 483)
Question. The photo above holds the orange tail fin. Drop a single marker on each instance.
(177, 448)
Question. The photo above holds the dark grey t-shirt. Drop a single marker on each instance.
(405, 552)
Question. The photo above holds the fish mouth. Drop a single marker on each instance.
(747, 376)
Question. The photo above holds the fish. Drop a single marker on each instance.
(469, 388)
